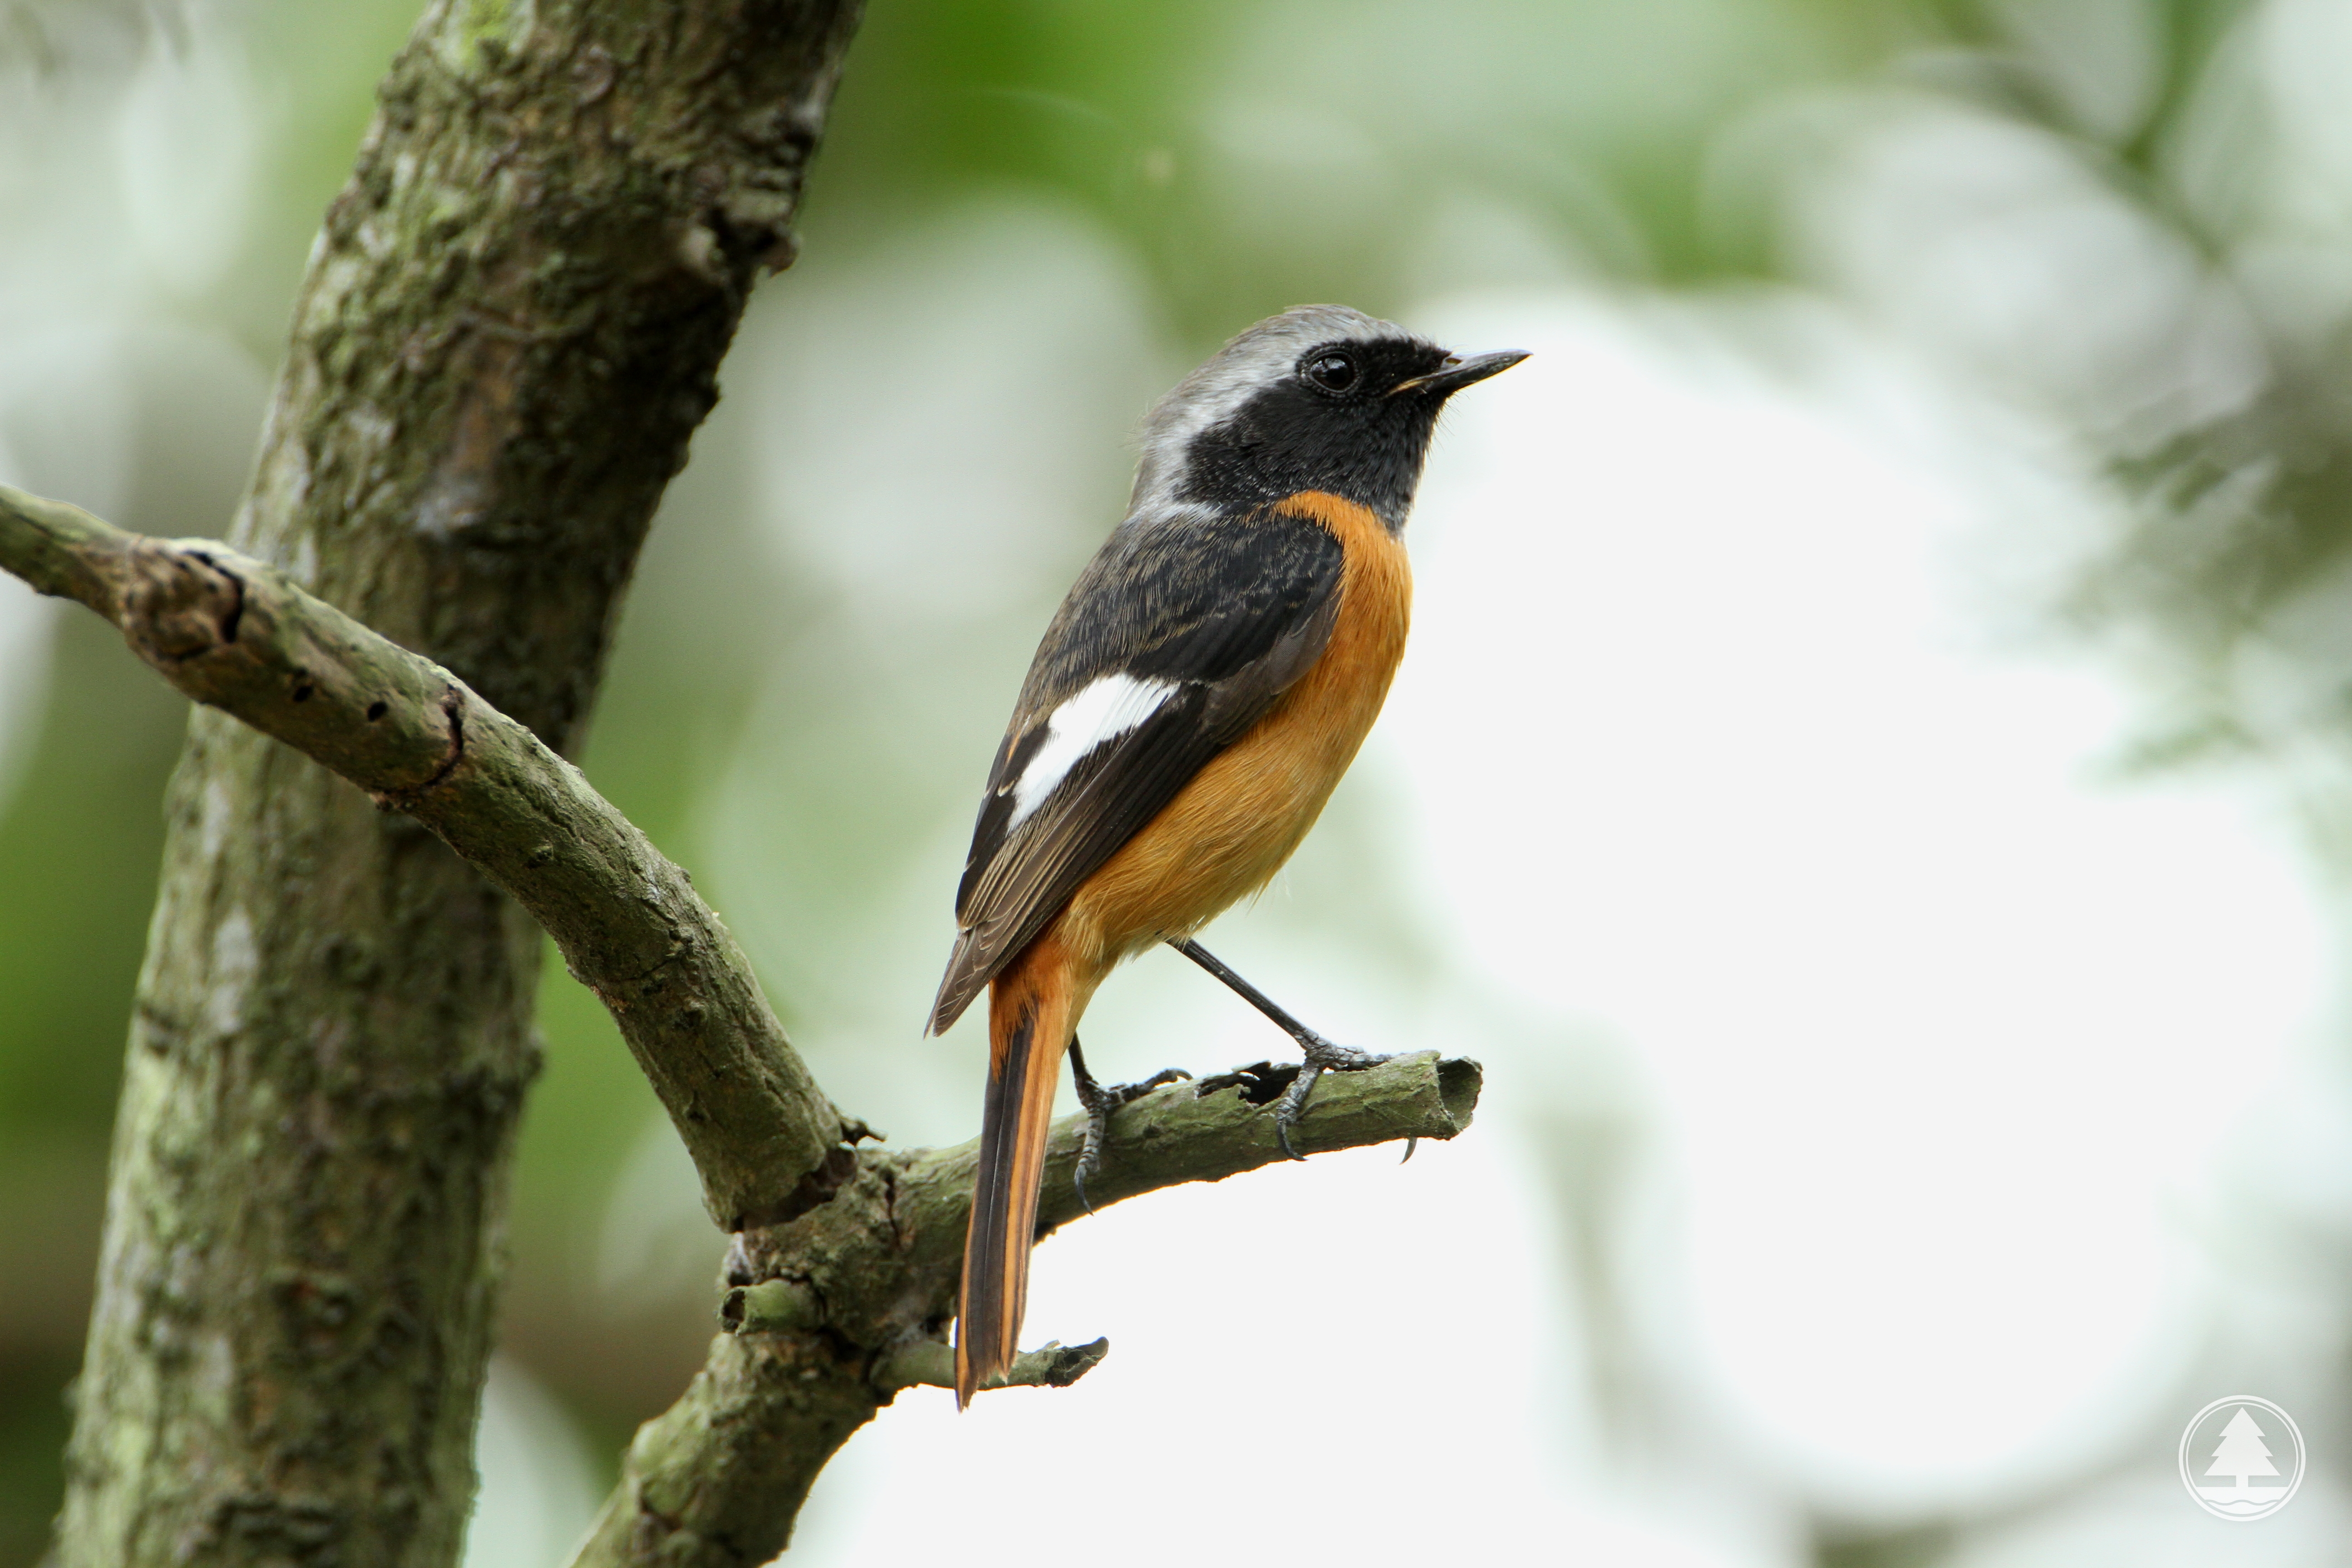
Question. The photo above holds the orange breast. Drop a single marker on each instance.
(1229, 830)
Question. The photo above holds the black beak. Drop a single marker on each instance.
(1457, 373)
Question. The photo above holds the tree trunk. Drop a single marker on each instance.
(511, 324)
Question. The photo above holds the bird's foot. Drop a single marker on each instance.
(1322, 1057)
(1099, 1100)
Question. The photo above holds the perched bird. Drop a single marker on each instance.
(1189, 711)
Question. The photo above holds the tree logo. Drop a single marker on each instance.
(2241, 1457)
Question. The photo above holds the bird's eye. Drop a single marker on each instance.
(1332, 372)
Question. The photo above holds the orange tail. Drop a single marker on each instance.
(1029, 1027)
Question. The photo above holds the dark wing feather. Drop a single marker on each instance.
(1232, 609)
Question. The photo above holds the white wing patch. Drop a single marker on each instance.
(1102, 712)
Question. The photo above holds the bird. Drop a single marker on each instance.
(1187, 713)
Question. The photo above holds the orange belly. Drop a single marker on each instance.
(1228, 832)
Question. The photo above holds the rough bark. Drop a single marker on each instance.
(510, 326)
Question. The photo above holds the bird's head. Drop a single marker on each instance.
(1318, 398)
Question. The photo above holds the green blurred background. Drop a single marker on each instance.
(1112, 189)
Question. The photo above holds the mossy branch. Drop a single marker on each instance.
(237, 634)
(830, 1316)
(844, 1270)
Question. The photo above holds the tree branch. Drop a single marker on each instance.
(843, 1278)
(930, 1364)
(238, 634)
(831, 1315)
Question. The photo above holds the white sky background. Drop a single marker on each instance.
(1712, 748)
(122, 198)
(1728, 739)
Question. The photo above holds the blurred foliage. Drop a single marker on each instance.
(1245, 157)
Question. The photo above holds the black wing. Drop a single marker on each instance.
(1228, 612)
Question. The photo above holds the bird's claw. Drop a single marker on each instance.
(1098, 1101)
(1322, 1057)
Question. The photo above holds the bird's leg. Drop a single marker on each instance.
(1100, 1103)
(1322, 1056)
